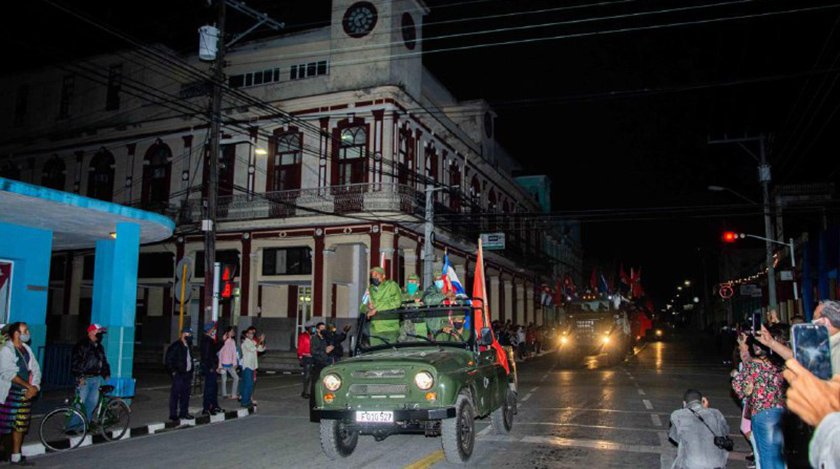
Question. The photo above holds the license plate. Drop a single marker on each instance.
(375, 417)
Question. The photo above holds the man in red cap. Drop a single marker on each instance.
(90, 367)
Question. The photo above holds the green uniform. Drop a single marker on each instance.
(385, 297)
(432, 296)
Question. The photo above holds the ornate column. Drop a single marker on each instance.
(519, 307)
(493, 284)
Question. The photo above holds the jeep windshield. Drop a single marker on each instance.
(445, 326)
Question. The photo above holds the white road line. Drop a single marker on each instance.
(641, 391)
(486, 431)
(534, 390)
(595, 444)
(545, 375)
(657, 422)
(581, 409)
(648, 405)
(527, 396)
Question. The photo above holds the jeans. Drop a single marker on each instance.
(211, 390)
(230, 371)
(89, 396)
(307, 375)
(248, 380)
(767, 431)
(179, 395)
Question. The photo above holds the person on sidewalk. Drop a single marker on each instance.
(179, 364)
(251, 345)
(305, 359)
(321, 350)
(20, 381)
(693, 429)
(210, 370)
(90, 368)
(228, 362)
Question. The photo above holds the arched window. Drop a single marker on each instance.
(352, 156)
(492, 207)
(475, 194)
(101, 176)
(405, 162)
(285, 166)
(54, 175)
(156, 173)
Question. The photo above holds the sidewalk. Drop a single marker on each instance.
(149, 409)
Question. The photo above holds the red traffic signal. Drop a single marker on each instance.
(730, 237)
(228, 273)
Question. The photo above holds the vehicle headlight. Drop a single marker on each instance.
(659, 332)
(564, 339)
(606, 339)
(424, 380)
(332, 382)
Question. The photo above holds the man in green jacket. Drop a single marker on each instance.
(384, 295)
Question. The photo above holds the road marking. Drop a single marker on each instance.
(733, 417)
(545, 375)
(486, 431)
(427, 461)
(595, 444)
(641, 391)
(657, 422)
(648, 405)
(580, 425)
(534, 390)
(527, 396)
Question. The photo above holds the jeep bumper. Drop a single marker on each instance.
(402, 415)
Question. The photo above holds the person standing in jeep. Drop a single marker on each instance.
(90, 367)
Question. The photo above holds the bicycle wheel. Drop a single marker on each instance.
(114, 421)
(62, 429)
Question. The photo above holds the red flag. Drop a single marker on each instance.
(559, 296)
(638, 291)
(593, 281)
(480, 291)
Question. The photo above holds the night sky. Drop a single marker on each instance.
(618, 121)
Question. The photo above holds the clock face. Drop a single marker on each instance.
(359, 19)
(409, 31)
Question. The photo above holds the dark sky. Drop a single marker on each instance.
(619, 121)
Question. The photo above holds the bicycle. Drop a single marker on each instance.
(61, 430)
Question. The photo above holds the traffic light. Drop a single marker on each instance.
(228, 275)
(730, 236)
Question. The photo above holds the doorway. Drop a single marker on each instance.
(304, 309)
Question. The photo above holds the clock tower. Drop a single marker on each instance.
(376, 43)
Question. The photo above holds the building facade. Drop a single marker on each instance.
(331, 136)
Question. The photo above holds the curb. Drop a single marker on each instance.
(37, 449)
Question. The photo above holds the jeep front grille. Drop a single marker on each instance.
(378, 389)
(379, 374)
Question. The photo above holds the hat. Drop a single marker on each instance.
(439, 276)
(379, 270)
(186, 330)
(96, 328)
(209, 326)
(413, 277)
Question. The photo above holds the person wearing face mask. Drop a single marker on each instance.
(412, 292)
(252, 344)
(179, 364)
(305, 358)
(382, 295)
(90, 368)
(826, 313)
(20, 381)
(321, 350)
(434, 296)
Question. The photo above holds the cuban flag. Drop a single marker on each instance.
(450, 279)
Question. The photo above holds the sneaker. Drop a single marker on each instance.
(218, 410)
(22, 462)
(187, 417)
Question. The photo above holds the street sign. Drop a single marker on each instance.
(750, 290)
(726, 291)
(787, 275)
(493, 241)
(183, 276)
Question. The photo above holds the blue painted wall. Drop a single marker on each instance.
(31, 250)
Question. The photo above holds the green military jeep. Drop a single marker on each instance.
(416, 370)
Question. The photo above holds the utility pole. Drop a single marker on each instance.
(764, 179)
(429, 234)
(209, 224)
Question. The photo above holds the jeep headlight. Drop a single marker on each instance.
(332, 382)
(424, 380)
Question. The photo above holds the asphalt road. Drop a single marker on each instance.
(587, 416)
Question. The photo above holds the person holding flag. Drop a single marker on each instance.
(382, 295)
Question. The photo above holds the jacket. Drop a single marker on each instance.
(825, 445)
(89, 359)
(9, 368)
(176, 358)
(250, 348)
(337, 339)
(228, 354)
(319, 351)
(303, 345)
(696, 444)
(210, 353)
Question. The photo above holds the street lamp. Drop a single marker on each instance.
(679, 288)
(726, 189)
(687, 283)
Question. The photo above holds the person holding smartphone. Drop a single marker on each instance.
(827, 313)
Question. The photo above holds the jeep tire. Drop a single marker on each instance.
(502, 417)
(336, 441)
(458, 434)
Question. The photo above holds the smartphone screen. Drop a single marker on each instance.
(756, 322)
(812, 350)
